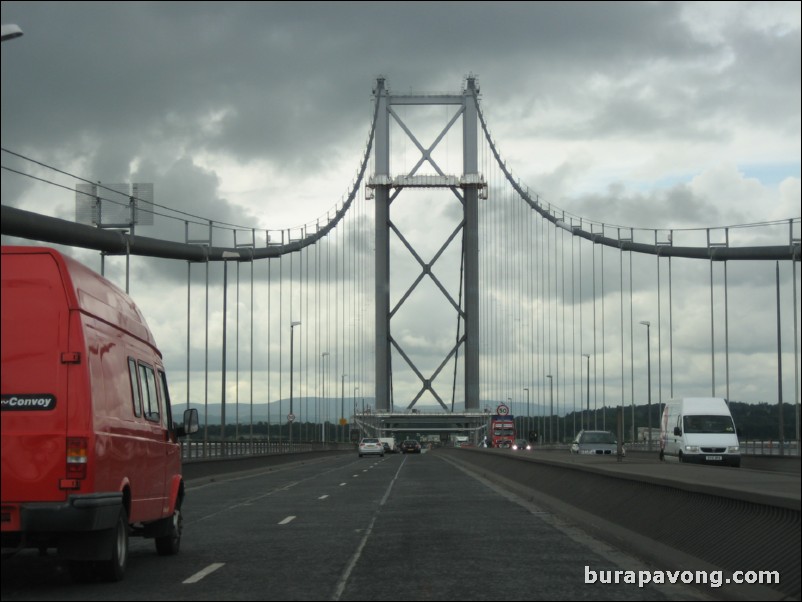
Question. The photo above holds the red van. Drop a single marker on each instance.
(90, 453)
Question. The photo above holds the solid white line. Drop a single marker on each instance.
(287, 520)
(205, 572)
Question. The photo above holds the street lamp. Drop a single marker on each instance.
(342, 410)
(587, 414)
(551, 408)
(355, 408)
(291, 415)
(528, 426)
(10, 31)
(323, 356)
(649, 380)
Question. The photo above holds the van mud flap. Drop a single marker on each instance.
(92, 545)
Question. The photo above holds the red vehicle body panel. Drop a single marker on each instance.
(502, 431)
(70, 343)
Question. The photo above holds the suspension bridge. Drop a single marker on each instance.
(432, 292)
(472, 291)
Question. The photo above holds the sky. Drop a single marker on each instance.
(649, 115)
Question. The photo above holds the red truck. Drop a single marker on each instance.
(90, 452)
(502, 428)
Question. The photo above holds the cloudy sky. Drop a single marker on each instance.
(652, 115)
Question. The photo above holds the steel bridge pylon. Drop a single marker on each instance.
(468, 188)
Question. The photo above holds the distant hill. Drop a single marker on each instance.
(754, 421)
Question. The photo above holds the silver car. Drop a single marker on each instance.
(601, 443)
(371, 445)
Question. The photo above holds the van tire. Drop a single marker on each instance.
(114, 569)
(170, 544)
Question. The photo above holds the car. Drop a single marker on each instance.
(602, 443)
(410, 446)
(521, 445)
(371, 445)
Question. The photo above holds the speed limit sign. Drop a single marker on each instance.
(291, 417)
(502, 410)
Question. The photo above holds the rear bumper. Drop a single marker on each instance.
(90, 512)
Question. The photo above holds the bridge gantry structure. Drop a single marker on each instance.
(546, 303)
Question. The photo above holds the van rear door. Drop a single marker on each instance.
(35, 365)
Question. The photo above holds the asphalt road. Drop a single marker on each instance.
(411, 527)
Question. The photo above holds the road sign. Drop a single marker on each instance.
(343, 422)
(291, 417)
(502, 410)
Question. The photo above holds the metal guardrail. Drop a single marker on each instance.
(196, 451)
(750, 448)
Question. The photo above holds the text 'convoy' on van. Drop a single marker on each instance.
(90, 452)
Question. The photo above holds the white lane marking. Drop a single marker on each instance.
(355, 558)
(323, 497)
(343, 484)
(287, 520)
(205, 572)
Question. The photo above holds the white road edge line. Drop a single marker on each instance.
(205, 572)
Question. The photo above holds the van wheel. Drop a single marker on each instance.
(114, 568)
(169, 545)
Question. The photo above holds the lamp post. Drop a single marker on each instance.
(649, 380)
(587, 390)
(291, 415)
(342, 410)
(528, 427)
(323, 357)
(551, 408)
(355, 408)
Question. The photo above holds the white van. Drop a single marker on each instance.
(700, 430)
(390, 441)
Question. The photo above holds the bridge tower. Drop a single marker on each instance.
(468, 187)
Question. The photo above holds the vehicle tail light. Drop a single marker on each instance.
(77, 457)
